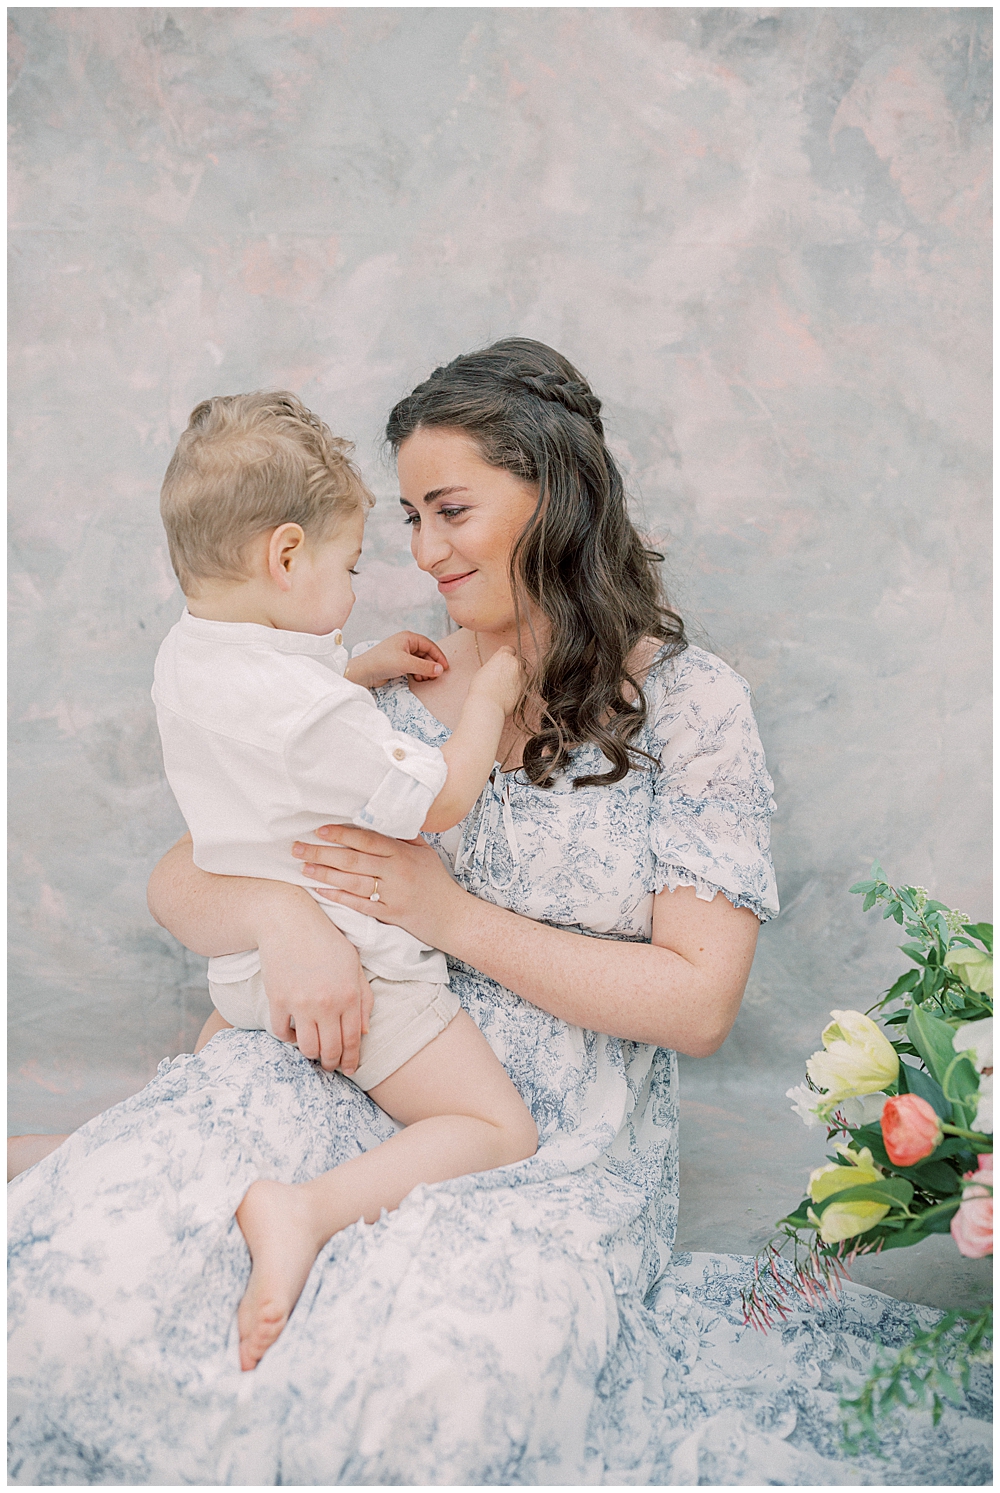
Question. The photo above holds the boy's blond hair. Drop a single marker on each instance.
(245, 464)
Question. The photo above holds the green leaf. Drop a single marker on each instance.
(914, 951)
(861, 886)
(894, 1191)
(932, 1038)
(800, 1218)
(869, 902)
(906, 982)
(934, 1176)
(913, 1234)
(982, 931)
(920, 1083)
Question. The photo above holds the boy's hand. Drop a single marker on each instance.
(314, 982)
(403, 653)
(501, 678)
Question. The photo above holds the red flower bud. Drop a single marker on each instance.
(910, 1129)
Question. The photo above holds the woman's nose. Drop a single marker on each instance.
(430, 546)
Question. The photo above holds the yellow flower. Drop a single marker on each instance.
(858, 1058)
(844, 1220)
(973, 966)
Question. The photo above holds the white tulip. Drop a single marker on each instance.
(862, 1109)
(984, 1114)
(805, 1101)
(976, 1038)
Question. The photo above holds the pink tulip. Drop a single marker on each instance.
(972, 1225)
(910, 1129)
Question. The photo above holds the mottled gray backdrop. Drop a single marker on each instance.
(762, 233)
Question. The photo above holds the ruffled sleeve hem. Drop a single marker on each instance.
(669, 878)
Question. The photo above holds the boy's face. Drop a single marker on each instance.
(322, 595)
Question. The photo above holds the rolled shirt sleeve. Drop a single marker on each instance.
(348, 763)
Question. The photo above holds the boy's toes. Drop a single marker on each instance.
(259, 1330)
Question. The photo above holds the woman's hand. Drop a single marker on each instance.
(317, 992)
(681, 990)
(311, 971)
(415, 891)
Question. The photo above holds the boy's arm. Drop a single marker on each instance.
(471, 750)
(402, 653)
(470, 753)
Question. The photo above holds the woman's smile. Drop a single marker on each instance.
(448, 583)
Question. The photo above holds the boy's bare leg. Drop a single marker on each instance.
(24, 1150)
(462, 1115)
(215, 1023)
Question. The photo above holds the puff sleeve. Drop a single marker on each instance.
(713, 804)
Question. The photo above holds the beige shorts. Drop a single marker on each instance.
(406, 1016)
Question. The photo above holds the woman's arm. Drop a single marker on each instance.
(315, 987)
(683, 990)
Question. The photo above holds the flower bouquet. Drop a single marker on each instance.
(912, 1100)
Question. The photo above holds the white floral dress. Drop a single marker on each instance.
(524, 1326)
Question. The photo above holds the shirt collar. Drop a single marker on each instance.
(327, 648)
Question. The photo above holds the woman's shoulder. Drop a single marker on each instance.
(695, 677)
(397, 701)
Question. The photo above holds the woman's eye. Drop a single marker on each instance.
(352, 572)
(411, 518)
(451, 512)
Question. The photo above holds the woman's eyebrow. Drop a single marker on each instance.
(442, 492)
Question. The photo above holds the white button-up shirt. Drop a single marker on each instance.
(263, 741)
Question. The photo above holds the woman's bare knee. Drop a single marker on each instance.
(24, 1150)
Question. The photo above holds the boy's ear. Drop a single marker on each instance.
(284, 548)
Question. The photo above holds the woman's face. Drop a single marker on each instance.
(465, 517)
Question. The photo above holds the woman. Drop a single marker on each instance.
(527, 1325)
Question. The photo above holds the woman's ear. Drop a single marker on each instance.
(284, 548)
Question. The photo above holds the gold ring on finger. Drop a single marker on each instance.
(375, 896)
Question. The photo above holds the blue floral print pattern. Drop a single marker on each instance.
(522, 1327)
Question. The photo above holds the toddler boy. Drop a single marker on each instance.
(268, 732)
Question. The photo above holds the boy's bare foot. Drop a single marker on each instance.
(280, 1227)
(24, 1150)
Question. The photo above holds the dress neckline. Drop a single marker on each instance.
(443, 730)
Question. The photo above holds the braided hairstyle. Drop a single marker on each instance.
(578, 559)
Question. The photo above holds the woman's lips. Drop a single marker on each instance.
(447, 583)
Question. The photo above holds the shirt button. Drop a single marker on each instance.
(338, 638)
(398, 753)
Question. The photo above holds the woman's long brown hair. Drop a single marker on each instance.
(579, 558)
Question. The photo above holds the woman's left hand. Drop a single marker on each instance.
(414, 887)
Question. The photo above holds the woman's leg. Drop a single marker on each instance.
(462, 1115)
(24, 1150)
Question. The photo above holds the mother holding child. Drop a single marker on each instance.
(461, 1260)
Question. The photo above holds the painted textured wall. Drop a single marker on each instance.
(761, 233)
